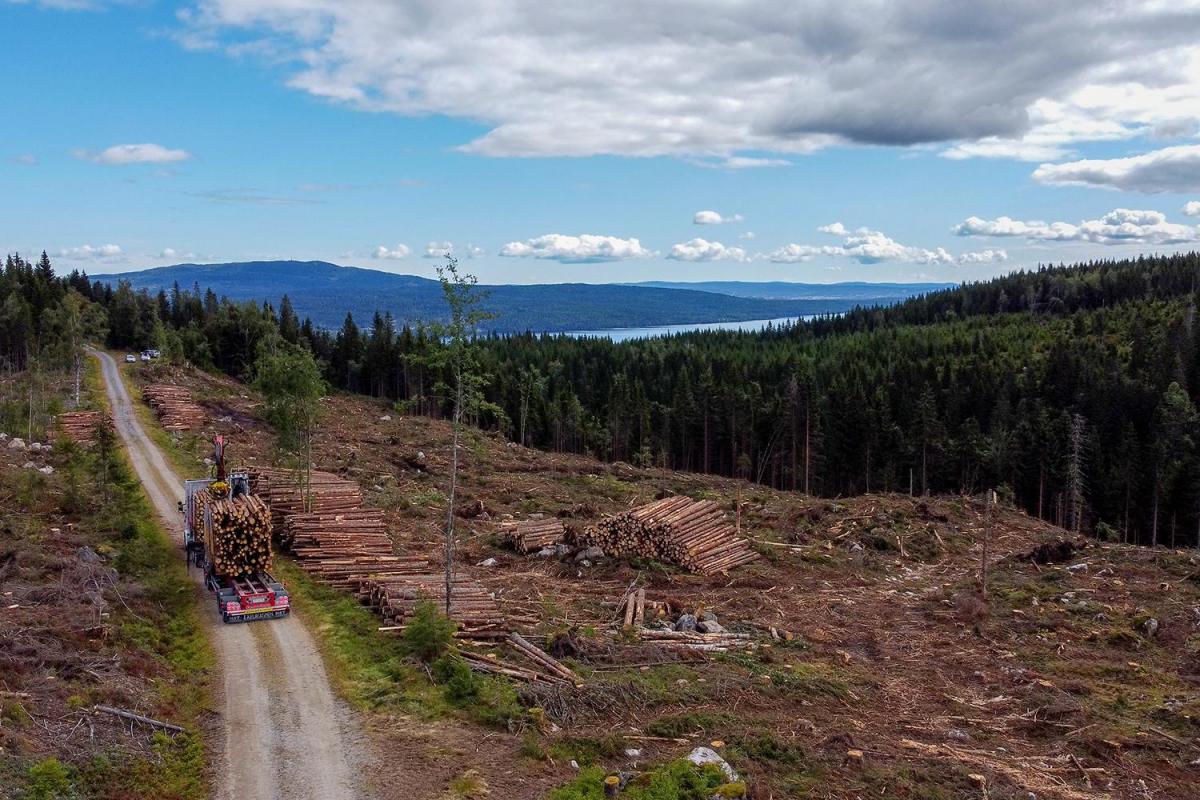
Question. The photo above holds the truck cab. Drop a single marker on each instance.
(239, 598)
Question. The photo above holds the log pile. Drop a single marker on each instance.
(691, 533)
(289, 492)
(80, 426)
(174, 406)
(694, 640)
(396, 597)
(531, 535)
(239, 536)
(358, 531)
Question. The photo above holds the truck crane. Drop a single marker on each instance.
(240, 598)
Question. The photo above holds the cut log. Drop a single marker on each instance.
(691, 533)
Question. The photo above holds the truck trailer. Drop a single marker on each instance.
(243, 595)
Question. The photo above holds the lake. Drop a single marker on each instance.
(623, 334)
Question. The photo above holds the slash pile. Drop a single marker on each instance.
(174, 406)
(290, 492)
(531, 535)
(691, 533)
(239, 538)
(80, 426)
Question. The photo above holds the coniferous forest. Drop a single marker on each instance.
(1071, 390)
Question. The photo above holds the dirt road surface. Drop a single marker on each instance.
(286, 737)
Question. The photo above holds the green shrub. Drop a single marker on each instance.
(487, 700)
(49, 779)
(430, 633)
(675, 780)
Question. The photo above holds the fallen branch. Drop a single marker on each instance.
(154, 723)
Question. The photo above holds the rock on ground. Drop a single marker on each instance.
(706, 755)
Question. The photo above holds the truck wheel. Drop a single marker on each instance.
(225, 618)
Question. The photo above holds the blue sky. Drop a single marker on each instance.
(541, 143)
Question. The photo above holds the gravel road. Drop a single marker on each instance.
(286, 737)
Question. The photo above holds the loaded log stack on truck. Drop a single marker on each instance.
(227, 533)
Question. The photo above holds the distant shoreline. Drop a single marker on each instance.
(653, 331)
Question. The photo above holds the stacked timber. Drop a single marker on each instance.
(396, 597)
(289, 492)
(357, 531)
(80, 426)
(350, 572)
(691, 533)
(174, 406)
(238, 535)
(534, 534)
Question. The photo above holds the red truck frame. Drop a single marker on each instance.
(240, 599)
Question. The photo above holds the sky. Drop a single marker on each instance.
(601, 142)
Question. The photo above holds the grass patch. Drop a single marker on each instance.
(378, 671)
(674, 780)
(369, 668)
(676, 726)
(588, 750)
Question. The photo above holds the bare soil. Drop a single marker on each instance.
(1055, 685)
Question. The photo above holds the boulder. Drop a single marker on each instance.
(687, 622)
(710, 626)
(488, 562)
(3, 437)
(1150, 628)
(88, 556)
(35, 447)
(47, 470)
(386, 418)
(706, 755)
(17, 444)
(589, 554)
(29, 465)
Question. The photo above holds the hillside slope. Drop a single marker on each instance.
(326, 292)
(1073, 679)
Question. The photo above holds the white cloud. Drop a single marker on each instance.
(87, 252)
(984, 257)
(1119, 226)
(397, 252)
(1192, 208)
(704, 250)
(573, 249)
(793, 253)
(170, 253)
(868, 246)
(714, 218)
(715, 80)
(25, 159)
(147, 153)
(443, 249)
(747, 235)
(1171, 169)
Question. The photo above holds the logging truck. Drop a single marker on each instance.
(245, 590)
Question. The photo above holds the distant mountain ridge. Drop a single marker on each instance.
(325, 292)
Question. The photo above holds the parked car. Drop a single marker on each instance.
(130, 358)
(154, 354)
(146, 356)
